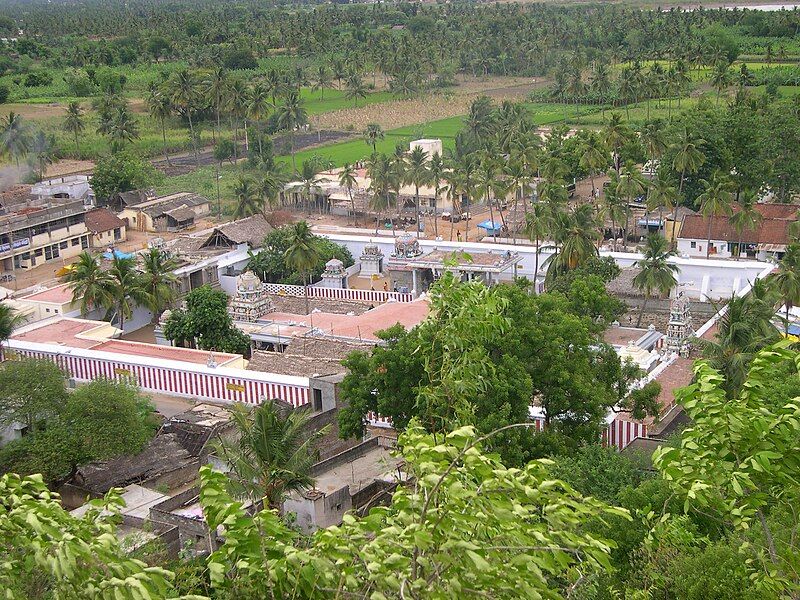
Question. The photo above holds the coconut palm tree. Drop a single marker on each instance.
(616, 134)
(248, 200)
(575, 234)
(593, 156)
(436, 168)
(123, 128)
(664, 197)
(9, 321)
(291, 115)
(347, 179)
(656, 273)
(373, 134)
(378, 171)
(159, 105)
(43, 152)
(302, 255)
(272, 454)
(184, 91)
(74, 123)
(631, 185)
(215, 86)
(258, 108)
(688, 159)
(715, 201)
(158, 280)
(237, 100)
(15, 138)
(416, 173)
(747, 217)
(90, 284)
(744, 328)
(355, 88)
(126, 288)
(785, 282)
(465, 173)
(309, 180)
(270, 184)
(537, 227)
(322, 79)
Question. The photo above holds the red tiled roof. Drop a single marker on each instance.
(101, 220)
(770, 231)
(61, 294)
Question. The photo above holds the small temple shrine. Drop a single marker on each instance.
(679, 328)
(371, 261)
(334, 276)
(406, 246)
(251, 301)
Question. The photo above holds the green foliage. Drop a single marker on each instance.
(46, 552)
(206, 323)
(273, 453)
(738, 458)
(31, 392)
(479, 358)
(504, 532)
(99, 420)
(271, 266)
(121, 172)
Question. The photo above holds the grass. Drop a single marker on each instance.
(335, 100)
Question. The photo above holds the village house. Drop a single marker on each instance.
(69, 187)
(768, 240)
(175, 212)
(107, 229)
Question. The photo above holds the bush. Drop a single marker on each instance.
(239, 58)
(38, 78)
(79, 84)
(122, 172)
(5, 91)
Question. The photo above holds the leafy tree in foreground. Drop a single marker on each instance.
(739, 458)
(46, 552)
(468, 527)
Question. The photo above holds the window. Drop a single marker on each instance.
(47, 310)
(317, 399)
(63, 245)
(55, 310)
(694, 244)
(85, 242)
(134, 220)
(117, 233)
(76, 241)
(38, 252)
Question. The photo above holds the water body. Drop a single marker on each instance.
(764, 7)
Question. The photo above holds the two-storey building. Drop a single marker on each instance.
(37, 232)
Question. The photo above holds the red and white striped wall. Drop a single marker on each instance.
(621, 432)
(376, 296)
(167, 376)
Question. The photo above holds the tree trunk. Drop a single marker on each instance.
(641, 310)
(416, 207)
(305, 292)
(708, 241)
(194, 142)
(491, 216)
(163, 137)
(536, 266)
